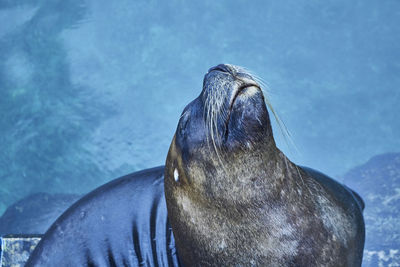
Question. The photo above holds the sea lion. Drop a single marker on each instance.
(234, 199)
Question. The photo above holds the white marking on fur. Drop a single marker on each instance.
(176, 175)
(332, 218)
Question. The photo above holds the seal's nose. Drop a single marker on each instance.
(222, 67)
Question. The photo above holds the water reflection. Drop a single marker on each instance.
(46, 116)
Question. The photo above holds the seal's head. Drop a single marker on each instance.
(222, 134)
(217, 160)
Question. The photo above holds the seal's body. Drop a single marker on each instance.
(122, 223)
(234, 199)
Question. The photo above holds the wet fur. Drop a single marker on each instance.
(239, 201)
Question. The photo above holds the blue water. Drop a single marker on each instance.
(91, 90)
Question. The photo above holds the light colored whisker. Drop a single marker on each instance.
(183, 114)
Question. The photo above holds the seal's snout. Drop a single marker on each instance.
(223, 68)
(233, 103)
(228, 77)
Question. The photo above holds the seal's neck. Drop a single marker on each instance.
(250, 177)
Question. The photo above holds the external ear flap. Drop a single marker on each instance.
(183, 122)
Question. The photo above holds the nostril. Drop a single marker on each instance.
(221, 67)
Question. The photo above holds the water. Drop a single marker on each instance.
(92, 90)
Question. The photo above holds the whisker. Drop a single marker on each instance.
(281, 124)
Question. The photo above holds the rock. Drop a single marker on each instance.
(378, 183)
(15, 250)
(24, 221)
(35, 213)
